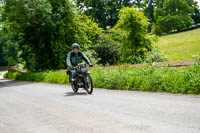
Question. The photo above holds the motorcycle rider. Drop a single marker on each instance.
(74, 58)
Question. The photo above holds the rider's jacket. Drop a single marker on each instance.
(73, 59)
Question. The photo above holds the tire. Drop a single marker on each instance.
(74, 87)
(89, 85)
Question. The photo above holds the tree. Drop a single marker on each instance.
(87, 32)
(136, 40)
(104, 12)
(8, 49)
(3, 62)
(173, 15)
(139, 3)
(8, 46)
(149, 12)
(149, 9)
(45, 30)
(196, 14)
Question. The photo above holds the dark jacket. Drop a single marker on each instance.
(73, 59)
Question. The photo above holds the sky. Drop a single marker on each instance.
(198, 2)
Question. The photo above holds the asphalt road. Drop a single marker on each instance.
(29, 107)
(1, 74)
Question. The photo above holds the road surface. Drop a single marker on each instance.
(1, 74)
(29, 107)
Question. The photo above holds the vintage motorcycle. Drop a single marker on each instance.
(83, 79)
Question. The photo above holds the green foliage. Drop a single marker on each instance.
(87, 31)
(3, 62)
(173, 15)
(136, 40)
(107, 49)
(149, 9)
(172, 80)
(47, 77)
(8, 49)
(92, 56)
(172, 23)
(155, 56)
(45, 30)
(41, 31)
(104, 12)
(196, 15)
(87, 35)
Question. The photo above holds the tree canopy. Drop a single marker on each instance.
(173, 15)
(45, 30)
(136, 41)
(104, 12)
(40, 33)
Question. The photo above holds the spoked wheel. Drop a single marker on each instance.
(89, 84)
(74, 87)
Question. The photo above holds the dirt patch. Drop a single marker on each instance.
(183, 63)
(15, 69)
(176, 63)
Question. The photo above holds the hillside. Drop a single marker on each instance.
(181, 46)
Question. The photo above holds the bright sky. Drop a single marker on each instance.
(198, 2)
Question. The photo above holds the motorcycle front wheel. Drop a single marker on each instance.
(89, 84)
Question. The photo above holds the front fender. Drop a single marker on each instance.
(84, 70)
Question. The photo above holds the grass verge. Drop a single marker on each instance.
(2, 70)
(181, 46)
(153, 79)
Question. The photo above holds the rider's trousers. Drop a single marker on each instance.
(73, 73)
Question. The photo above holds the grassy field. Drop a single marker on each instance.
(181, 46)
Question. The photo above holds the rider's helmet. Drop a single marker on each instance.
(75, 45)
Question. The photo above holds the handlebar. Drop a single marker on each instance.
(80, 65)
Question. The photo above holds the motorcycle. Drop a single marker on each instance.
(83, 79)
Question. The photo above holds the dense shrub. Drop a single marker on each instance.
(107, 50)
(165, 79)
(155, 56)
(173, 80)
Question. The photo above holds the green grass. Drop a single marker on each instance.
(58, 77)
(181, 46)
(171, 80)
